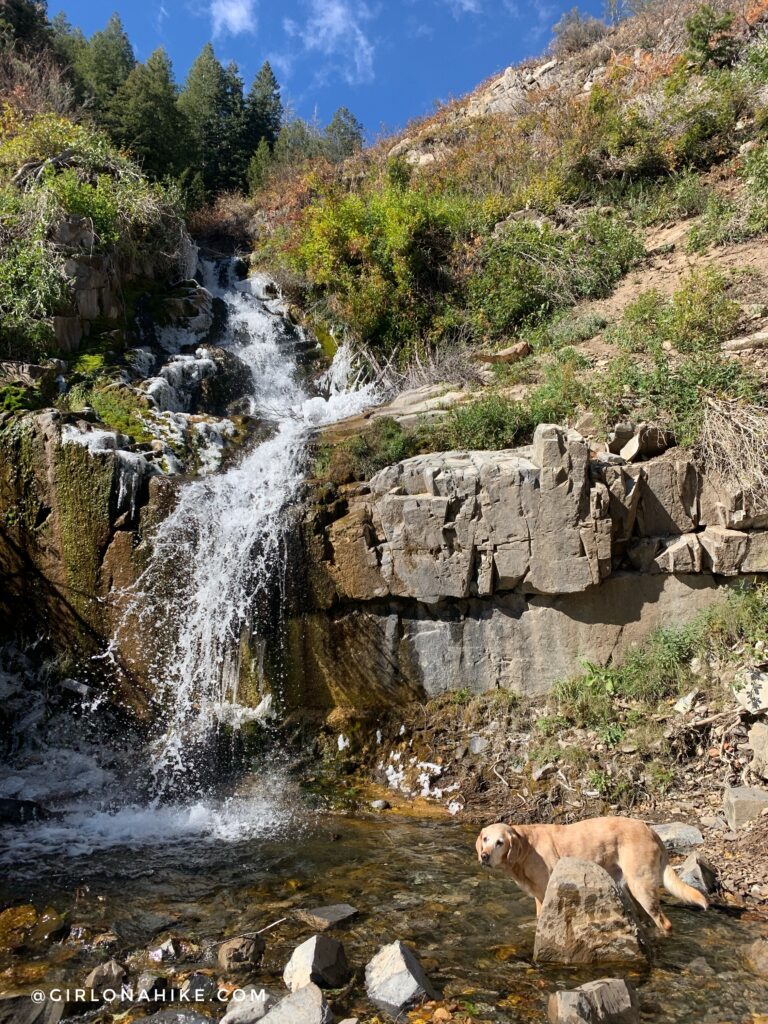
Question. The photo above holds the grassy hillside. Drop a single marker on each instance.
(481, 227)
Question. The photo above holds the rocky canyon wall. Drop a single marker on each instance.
(485, 569)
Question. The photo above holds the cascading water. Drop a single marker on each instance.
(221, 550)
(215, 562)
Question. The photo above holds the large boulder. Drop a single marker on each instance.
(248, 1006)
(584, 919)
(742, 804)
(608, 1001)
(679, 837)
(305, 1006)
(697, 872)
(320, 960)
(395, 980)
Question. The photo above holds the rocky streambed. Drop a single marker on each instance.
(162, 904)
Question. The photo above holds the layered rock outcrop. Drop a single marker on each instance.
(484, 569)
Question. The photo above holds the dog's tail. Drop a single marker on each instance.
(682, 890)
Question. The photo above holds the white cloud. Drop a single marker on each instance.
(465, 6)
(334, 28)
(233, 17)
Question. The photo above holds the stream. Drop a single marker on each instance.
(147, 843)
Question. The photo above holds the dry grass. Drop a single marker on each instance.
(734, 445)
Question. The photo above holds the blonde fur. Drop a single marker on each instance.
(630, 851)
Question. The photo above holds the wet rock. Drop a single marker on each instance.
(200, 987)
(179, 1017)
(751, 691)
(757, 957)
(16, 923)
(167, 952)
(322, 918)
(395, 980)
(320, 960)
(380, 805)
(242, 953)
(21, 1010)
(699, 966)
(699, 873)
(758, 741)
(106, 976)
(249, 1008)
(678, 837)
(150, 983)
(609, 1001)
(19, 812)
(742, 804)
(306, 1006)
(51, 927)
(584, 919)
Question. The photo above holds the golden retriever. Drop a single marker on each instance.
(628, 849)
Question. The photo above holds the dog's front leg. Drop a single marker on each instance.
(538, 907)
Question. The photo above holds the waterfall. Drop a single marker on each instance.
(220, 553)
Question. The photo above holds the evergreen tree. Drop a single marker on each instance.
(235, 151)
(104, 64)
(145, 117)
(204, 101)
(710, 38)
(25, 21)
(259, 167)
(297, 142)
(343, 136)
(264, 109)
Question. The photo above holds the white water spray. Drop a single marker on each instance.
(221, 548)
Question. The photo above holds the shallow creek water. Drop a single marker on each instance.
(410, 878)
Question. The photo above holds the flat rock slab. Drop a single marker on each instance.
(584, 919)
(307, 1006)
(742, 804)
(322, 918)
(395, 980)
(678, 837)
(608, 1001)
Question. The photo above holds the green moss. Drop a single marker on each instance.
(117, 406)
(83, 489)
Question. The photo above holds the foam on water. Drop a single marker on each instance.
(222, 547)
(219, 551)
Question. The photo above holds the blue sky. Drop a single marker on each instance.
(388, 60)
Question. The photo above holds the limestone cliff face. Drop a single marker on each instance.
(486, 569)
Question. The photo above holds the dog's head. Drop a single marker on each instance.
(498, 844)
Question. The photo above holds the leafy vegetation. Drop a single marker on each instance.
(662, 668)
(38, 190)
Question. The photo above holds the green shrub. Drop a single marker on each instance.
(661, 668)
(710, 38)
(495, 422)
(530, 272)
(699, 315)
(359, 458)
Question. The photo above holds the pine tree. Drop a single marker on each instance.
(343, 136)
(25, 21)
(204, 101)
(264, 109)
(235, 151)
(145, 117)
(259, 167)
(104, 64)
(297, 142)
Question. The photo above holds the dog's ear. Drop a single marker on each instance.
(479, 844)
(515, 848)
